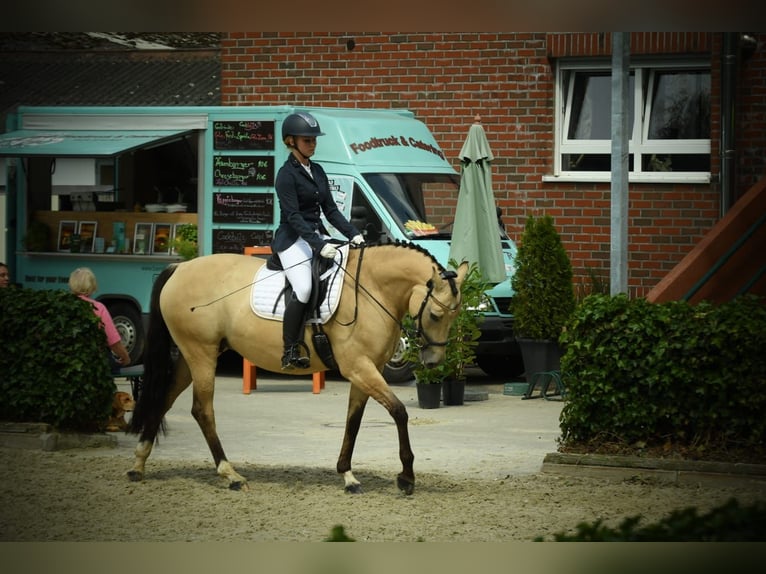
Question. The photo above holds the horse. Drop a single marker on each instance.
(201, 307)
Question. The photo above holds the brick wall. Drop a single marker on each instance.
(506, 78)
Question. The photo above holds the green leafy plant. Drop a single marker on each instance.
(463, 336)
(54, 360)
(656, 374)
(185, 241)
(543, 298)
(729, 522)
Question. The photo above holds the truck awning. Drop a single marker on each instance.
(81, 143)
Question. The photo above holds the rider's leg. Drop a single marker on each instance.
(296, 260)
(292, 334)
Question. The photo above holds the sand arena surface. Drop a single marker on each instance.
(477, 470)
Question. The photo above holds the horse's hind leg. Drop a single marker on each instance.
(181, 380)
(204, 414)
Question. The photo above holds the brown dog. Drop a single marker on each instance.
(121, 404)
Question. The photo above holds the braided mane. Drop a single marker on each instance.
(414, 246)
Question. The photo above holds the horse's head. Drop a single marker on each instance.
(434, 308)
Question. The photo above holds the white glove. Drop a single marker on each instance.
(328, 251)
(357, 239)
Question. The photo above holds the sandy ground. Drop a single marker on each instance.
(83, 496)
(477, 472)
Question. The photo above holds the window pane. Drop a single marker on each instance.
(692, 162)
(592, 106)
(590, 162)
(680, 105)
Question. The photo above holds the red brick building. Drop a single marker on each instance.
(541, 98)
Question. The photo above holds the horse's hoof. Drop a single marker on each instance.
(353, 489)
(238, 485)
(135, 476)
(405, 485)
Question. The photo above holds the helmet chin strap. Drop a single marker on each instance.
(296, 148)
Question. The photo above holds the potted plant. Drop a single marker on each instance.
(543, 299)
(448, 378)
(185, 241)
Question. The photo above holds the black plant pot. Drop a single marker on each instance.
(429, 395)
(453, 391)
(540, 355)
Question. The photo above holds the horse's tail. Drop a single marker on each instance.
(148, 416)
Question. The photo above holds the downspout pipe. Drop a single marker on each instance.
(729, 61)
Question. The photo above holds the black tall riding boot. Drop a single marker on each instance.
(292, 328)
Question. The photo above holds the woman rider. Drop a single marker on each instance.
(303, 190)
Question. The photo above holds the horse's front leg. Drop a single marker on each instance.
(203, 413)
(357, 401)
(356, 404)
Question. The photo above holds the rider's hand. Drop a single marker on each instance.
(328, 251)
(357, 239)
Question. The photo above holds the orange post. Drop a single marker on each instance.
(249, 376)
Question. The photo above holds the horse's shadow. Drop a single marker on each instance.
(204, 474)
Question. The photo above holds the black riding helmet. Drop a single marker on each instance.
(301, 124)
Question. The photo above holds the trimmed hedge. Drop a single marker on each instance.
(669, 373)
(730, 522)
(53, 360)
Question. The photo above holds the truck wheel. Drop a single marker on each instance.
(500, 365)
(128, 322)
(397, 370)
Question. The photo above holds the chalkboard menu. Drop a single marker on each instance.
(243, 135)
(235, 240)
(243, 207)
(243, 171)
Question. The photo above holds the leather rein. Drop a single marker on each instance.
(420, 332)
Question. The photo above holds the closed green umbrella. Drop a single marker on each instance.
(475, 233)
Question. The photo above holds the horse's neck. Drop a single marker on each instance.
(394, 272)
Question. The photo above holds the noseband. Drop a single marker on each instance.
(449, 276)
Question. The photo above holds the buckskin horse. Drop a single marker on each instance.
(203, 307)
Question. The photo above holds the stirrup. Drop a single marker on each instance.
(293, 360)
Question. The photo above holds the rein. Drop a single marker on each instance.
(419, 332)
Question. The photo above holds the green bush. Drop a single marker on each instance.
(53, 360)
(543, 298)
(638, 372)
(730, 522)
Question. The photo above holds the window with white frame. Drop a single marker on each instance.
(668, 121)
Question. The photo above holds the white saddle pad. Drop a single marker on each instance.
(268, 285)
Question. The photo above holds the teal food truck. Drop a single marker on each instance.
(110, 187)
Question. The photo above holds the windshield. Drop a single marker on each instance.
(406, 195)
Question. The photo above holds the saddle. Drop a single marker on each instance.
(271, 291)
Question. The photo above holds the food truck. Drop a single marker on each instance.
(110, 187)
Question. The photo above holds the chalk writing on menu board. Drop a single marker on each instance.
(244, 135)
(243, 171)
(235, 240)
(243, 207)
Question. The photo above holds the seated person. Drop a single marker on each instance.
(82, 282)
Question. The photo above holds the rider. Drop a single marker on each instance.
(302, 189)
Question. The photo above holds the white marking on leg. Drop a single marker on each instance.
(142, 452)
(351, 484)
(226, 470)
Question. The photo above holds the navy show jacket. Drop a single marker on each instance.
(300, 200)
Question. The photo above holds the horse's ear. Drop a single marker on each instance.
(462, 271)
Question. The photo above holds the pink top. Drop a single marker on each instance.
(112, 335)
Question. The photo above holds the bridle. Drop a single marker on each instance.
(449, 276)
